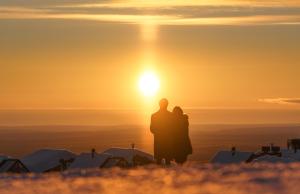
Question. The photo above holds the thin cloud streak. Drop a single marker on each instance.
(165, 13)
(179, 3)
(159, 19)
(281, 100)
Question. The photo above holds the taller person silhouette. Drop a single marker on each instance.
(161, 127)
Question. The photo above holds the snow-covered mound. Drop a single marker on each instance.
(257, 178)
(229, 157)
(46, 159)
(128, 154)
(87, 160)
(274, 159)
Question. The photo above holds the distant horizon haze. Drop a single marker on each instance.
(33, 117)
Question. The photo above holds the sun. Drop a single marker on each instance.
(149, 84)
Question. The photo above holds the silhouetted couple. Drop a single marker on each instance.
(171, 134)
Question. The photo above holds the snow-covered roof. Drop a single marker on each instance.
(12, 165)
(7, 165)
(288, 153)
(85, 160)
(274, 159)
(45, 159)
(128, 153)
(226, 157)
(3, 157)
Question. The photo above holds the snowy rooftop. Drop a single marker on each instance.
(274, 159)
(4, 167)
(3, 157)
(85, 160)
(128, 154)
(227, 157)
(46, 159)
(291, 154)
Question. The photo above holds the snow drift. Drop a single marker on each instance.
(192, 178)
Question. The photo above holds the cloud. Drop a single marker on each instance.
(281, 100)
(161, 13)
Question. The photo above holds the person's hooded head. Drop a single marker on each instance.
(177, 111)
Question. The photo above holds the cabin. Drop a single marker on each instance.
(48, 160)
(89, 160)
(11, 165)
(231, 157)
(128, 157)
(268, 154)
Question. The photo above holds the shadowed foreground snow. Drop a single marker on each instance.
(192, 178)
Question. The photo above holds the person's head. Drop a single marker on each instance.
(163, 104)
(177, 110)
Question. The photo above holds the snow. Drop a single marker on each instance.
(127, 154)
(226, 157)
(3, 157)
(288, 153)
(255, 178)
(274, 159)
(45, 159)
(85, 160)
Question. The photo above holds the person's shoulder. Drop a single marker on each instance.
(155, 114)
(169, 112)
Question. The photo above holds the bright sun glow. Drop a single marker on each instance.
(149, 84)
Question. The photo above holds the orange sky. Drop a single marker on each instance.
(72, 55)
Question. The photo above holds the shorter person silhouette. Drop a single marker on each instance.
(182, 146)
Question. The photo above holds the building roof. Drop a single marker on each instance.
(227, 157)
(46, 159)
(274, 159)
(3, 157)
(85, 160)
(128, 153)
(6, 165)
(12, 165)
(289, 153)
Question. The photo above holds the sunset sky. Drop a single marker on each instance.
(91, 54)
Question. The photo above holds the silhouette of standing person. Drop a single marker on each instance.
(161, 127)
(182, 144)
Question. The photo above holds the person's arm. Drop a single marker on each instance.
(190, 151)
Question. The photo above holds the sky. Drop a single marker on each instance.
(89, 54)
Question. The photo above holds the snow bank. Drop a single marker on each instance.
(193, 178)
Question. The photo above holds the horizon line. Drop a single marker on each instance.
(141, 108)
